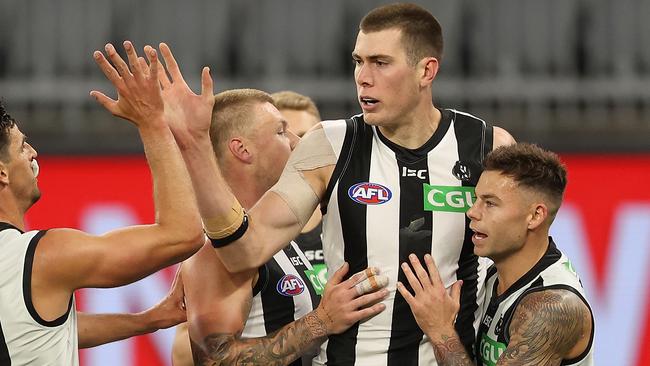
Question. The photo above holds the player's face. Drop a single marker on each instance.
(272, 144)
(22, 177)
(387, 86)
(299, 122)
(499, 216)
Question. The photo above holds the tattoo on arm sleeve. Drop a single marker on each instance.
(545, 326)
(450, 351)
(279, 348)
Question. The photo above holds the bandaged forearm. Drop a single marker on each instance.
(314, 151)
(225, 229)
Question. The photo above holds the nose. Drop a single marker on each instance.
(363, 75)
(293, 139)
(33, 151)
(472, 213)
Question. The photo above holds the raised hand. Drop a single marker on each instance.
(434, 308)
(348, 302)
(139, 97)
(192, 113)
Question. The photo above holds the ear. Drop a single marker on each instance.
(429, 67)
(538, 216)
(4, 174)
(239, 149)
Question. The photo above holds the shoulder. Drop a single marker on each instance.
(501, 137)
(550, 322)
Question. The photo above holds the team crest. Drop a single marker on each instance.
(290, 285)
(461, 171)
(367, 193)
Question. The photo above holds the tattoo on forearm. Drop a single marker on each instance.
(545, 327)
(449, 351)
(279, 348)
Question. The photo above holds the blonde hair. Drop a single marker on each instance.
(292, 100)
(232, 115)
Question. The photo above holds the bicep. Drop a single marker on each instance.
(217, 302)
(81, 260)
(545, 327)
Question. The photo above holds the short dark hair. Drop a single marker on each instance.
(231, 115)
(6, 123)
(533, 167)
(421, 32)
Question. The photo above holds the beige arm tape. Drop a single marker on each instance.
(222, 226)
(313, 151)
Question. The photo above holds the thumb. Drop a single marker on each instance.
(337, 277)
(207, 84)
(455, 291)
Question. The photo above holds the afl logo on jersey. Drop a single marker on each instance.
(367, 193)
(290, 285)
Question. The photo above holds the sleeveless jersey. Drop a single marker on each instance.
(26, 338)
(553, 271)
(384, 202)
(283, 293)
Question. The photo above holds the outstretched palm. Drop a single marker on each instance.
(189, 114)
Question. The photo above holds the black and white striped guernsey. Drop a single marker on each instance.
(384, 202)
(283, 293)
(25, 337)
(552, 271)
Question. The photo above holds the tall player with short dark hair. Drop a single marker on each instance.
(536, 312)
(395, 180)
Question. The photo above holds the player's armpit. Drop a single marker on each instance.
(501, 137)
(547, 326)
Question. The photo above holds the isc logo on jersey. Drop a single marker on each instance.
(448, 198)
(290, 285)
(367, 193)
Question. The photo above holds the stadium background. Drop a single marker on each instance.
(571, 75)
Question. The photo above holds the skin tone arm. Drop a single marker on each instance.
(272, 223)
(219, 303)
(66, 259)
(547, 326)
(97, 329)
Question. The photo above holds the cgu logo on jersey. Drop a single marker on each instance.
(290, 285)
(448, 198)
(368, 193)
(490, 350)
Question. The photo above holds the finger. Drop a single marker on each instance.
(422, 275)
(207, 84)
(172, 65)
(337, 277)
(119, 63)
(413, 281)
(106, 102)
(371, 284)
(405, 293)
(371, 298)
(369, 312)
(455, 291)
(163, 78)
(132, 56)
(154, 63)
(109, 71)
(144, 66)
(361, 276)
(434, 275)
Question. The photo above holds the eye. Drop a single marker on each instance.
(381, 63)
(356, 61)
(489, 203)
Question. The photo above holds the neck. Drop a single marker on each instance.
(243, 186)
(12, 214)
(513, 266)
(416, 129)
